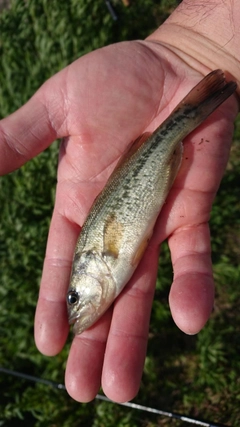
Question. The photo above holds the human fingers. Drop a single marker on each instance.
(85, 360)
(192, 292)
(186, 215)
(129, 331)
(33, 127)
(51, 325)
(113, 354)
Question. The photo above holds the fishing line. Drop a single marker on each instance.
(131, 405)
(111, 10)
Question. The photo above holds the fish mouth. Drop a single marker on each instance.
(74, 316)
(81, 323)
(78, 324)
(80, 320)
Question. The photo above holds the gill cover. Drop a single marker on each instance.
(91, 292)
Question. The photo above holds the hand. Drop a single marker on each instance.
(99, 104)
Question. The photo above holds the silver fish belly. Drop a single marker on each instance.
(121, 221)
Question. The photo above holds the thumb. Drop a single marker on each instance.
(33, 127)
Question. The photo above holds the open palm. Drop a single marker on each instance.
(98, 105)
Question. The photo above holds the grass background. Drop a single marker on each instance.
(198, 376)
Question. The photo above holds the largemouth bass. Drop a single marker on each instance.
(121, 220)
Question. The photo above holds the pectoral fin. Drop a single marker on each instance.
(112, 236)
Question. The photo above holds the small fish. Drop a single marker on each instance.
(121, 221)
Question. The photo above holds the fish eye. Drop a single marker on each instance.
(72, 297)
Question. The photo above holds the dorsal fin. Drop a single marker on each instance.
(133, 148)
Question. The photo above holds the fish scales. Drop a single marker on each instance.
(121, 221)
(130, 191)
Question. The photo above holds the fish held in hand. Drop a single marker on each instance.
(121, 221)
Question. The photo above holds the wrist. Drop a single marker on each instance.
(206, 37)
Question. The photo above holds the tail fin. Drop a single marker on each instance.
(208, 94)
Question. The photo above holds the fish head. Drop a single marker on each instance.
(92, 290)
